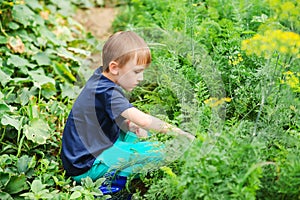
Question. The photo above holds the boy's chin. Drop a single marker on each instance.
(128, 89)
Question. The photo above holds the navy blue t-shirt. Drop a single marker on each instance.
(92, 125)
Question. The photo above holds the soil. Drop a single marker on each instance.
(98, 21)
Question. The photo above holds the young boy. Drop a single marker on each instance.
(101, 111)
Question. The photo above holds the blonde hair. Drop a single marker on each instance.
(121, 47)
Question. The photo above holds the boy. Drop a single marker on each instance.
(101, 111)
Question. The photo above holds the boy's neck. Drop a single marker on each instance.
(109, 76)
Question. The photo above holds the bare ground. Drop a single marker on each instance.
(98, 21)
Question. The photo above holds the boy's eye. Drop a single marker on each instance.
(138, 71)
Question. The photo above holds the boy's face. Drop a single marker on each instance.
(130, 75)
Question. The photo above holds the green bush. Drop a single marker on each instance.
(247, 124)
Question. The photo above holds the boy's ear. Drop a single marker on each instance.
(113, 68)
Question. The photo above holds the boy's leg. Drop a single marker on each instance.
(97, 171)
(129, 155)
(125, 157)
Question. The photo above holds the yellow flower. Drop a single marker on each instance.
(215, 102)
(292, 107)
(168, 171)
(286, 43)
(283, 49)
(288, 73)
(292, 80)
(227, 99)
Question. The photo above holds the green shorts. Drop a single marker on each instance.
(126, 157)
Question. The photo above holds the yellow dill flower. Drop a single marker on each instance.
(292, 80)
(227, 99)
(288, 73)
(236, 62)
(271, 41)
(292, 107)
(215, 102)
(274, 3)
(245, 44)
(283, 49)
(168, 171)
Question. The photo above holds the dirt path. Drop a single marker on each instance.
(98, 21)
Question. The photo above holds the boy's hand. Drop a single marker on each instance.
(188, 135)
(141, 133)
(183, 133)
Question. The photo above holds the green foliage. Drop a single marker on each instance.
(42, 50)
(227, 72)
(249, 151)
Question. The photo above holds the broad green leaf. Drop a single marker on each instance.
(64, 72)
(48, 90)
(22, 80)
(38, 21)
(26, 36)
(41, 59)
(65, 7)
(80, 51)
(75, 195)
(40, 79)
(3, 39)
(13, 26)
(4, 107)
(37, 186)
(23, 14)
(24, 94)
(41, 42)
(19, 62)
(5, 159)
(99, 182)
(69, 91)
(64, 33)
(16, 184)
(4, 78)
(4, 178)
(34, 4)
(37, 131)
(8, 120)
(22, 164)
(46, 33)
(5, 196)
(64, 53)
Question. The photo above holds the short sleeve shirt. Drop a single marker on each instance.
(93, 123)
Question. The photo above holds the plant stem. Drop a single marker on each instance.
(3, 134)
(2, 30)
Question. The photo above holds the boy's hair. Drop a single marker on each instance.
(124, 46)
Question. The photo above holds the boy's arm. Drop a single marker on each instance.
(127, 125)
(149, 122)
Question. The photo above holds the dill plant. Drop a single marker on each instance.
(254, 45)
